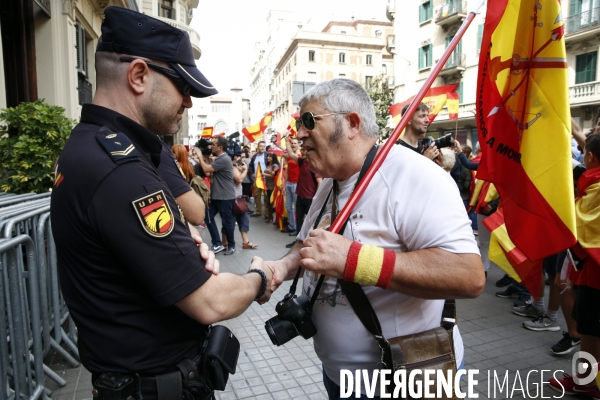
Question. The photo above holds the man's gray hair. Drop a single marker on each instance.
(344, 95)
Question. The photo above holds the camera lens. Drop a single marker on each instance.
(280, 331)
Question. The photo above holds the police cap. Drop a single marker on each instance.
(130, 32)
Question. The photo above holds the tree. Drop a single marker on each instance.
(382, 99)
(32, 139)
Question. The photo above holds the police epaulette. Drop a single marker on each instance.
(117, 145)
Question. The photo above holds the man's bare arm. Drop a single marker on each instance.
(192, 206)
(206, 167)
(216, 300)
(578, 133)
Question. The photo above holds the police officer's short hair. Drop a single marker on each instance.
(422, 106)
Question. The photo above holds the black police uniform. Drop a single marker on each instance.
(124, 255)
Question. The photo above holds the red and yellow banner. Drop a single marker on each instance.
(257, 131)
(524, 124)
(435, 98)
(452, 105)
(207, 132)
(261, 183)
(292, 128)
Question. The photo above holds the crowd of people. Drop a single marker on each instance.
(144, 290)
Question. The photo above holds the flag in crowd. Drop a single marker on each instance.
(435, 98)
(207, 132)
(257, 131)
(261, 183)
(523, 121)
(292, 128)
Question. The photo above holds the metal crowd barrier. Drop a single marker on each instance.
(35, 320)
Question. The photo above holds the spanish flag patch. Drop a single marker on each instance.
(155, 214)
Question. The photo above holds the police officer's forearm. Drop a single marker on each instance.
(221, 297)
(438, 274)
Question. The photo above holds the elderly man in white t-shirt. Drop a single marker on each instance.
(419, 225)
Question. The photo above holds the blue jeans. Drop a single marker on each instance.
(472, 215)
(225, 208)
(290, 204)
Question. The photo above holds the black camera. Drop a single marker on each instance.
(444, 141)
(293, 319)
(205, 146)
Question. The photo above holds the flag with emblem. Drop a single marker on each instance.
(524, 123)
(155, 214)
(435, 98)
(207, 132)
(257, 131)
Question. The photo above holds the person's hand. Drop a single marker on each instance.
(457, 148)
(259, 263)
(431, 152)
(325, 253)
(212, 264)
(486, 210)
(439, 160)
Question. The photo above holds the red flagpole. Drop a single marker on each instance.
(380, 157)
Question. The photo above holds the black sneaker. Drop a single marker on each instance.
(509, 293)
(566, 344)
(504, 281)
(523, 301)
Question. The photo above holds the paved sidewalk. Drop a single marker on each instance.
(494, 341)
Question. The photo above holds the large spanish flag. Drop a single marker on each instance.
(435, 98)
(257, 131)
(524, 123)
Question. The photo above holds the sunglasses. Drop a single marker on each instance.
(308, 119)
(177, 80)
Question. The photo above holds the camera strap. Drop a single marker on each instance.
(334, 189)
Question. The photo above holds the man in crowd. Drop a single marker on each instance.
(260, 158)
(129, 269)
(308, 182)
(222, 195)
(415, 131)
(291, 182)
(587, 256)
(430, 247)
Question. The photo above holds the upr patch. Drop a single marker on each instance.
(155, 214)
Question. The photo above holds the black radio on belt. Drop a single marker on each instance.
(112, 386)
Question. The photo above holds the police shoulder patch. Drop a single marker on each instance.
(155, 214)
(117, 145)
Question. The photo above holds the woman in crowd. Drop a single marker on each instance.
(181, 155)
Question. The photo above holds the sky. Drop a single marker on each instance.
(229, 29)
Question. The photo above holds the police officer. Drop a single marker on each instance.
(130, 272)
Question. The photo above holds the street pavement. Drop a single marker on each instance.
(495, 342)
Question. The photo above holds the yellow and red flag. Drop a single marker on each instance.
(278, 198)
(257, 131)
(292, 128)
(207, 132)
(261, 183)
(452, 105)
(524, 126)
(435, 98)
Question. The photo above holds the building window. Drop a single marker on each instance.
(342, 58)
(384, 69)
(425, 56)
(311, 55)
(166, 9)
(84, 87)
(585, 68)
(343, 32)
(312, 77)
(368, 80)
(369, 59)
(479, 37)
(425, 11)
(343, 76)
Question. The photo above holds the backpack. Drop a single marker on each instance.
(199, 186)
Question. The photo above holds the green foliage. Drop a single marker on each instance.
(382, 98)
(32, 137)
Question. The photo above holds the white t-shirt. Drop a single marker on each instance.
(410, 204)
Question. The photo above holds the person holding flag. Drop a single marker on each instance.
(258, 163)
(292, 171)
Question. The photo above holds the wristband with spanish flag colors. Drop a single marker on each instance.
(369, 265)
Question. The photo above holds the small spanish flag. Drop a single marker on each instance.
(261, 183)
(292, 128)
(257, 131)
(207, 132)
(452, 104)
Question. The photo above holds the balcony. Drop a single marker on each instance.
(456, 64)
(390, 43)
(464, 111)
(390, 9)
(194, 36)
(450, 13)
(584, 94)
(582, 25)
